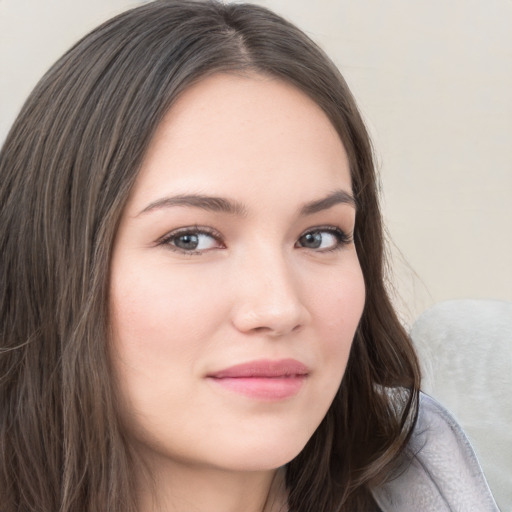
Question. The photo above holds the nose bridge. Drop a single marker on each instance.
(269, 293)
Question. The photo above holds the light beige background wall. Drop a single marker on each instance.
(433, 79)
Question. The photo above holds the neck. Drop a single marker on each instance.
(182, 488)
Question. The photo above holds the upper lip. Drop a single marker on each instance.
(263, 368)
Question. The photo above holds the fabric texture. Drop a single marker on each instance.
(465, 351)
(440, 472)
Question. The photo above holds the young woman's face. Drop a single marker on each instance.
(236, 288)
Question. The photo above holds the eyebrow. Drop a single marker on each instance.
(336, 197)
(212, 204)
(220, 204)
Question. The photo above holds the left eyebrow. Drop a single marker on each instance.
(214, 204)
(336, 197)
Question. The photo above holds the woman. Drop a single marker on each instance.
(193, 306)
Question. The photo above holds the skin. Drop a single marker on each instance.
(249, 286)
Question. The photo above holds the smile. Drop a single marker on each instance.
(264, 379)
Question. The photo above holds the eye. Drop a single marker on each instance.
(192, 240)
(323, 239)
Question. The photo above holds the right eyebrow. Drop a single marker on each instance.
(210, 203)
(337, 197)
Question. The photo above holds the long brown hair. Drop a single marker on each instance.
(66, 170)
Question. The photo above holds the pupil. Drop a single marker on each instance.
(187, 241)
(312, 240)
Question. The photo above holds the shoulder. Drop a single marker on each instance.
(439, 472)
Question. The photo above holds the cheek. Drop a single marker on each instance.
(157, 337)
(157, 343)
(339, 302)
(338, 312)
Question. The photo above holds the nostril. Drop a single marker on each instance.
(275, 331)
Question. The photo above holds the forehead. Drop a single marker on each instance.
(229, 134)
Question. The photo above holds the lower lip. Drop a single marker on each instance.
(263, 388)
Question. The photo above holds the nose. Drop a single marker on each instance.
(269, 299)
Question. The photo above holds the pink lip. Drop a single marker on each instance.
(264, 379)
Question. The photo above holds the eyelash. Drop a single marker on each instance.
(341, 236)
(192, 230)
(343, 239)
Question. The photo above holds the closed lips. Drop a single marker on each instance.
(263, 380)
(264, 369)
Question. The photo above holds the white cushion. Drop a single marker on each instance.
(465, 350)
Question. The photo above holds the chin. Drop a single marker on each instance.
(263, 456)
